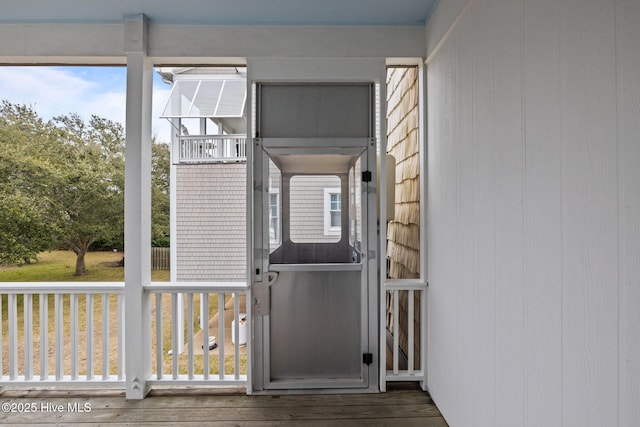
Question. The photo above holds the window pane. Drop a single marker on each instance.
(335, 202)
(335, 214)
(335, 219)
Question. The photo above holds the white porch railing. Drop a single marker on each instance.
(212, 148)
(415, 369)
(72, 334)
(94, 315)
(201, 365)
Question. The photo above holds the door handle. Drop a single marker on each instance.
(262, 295)
(272, 277)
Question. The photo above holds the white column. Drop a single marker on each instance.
(422, 129)
(137, 209)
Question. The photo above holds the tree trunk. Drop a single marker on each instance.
(81, 268)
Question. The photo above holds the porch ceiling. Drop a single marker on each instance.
(224, 12)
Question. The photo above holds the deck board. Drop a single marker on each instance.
(403, 405)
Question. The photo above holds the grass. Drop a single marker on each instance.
(59, 266)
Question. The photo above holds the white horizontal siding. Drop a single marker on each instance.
(534, 213)
(308, 205)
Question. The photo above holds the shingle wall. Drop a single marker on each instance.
(211, 235)
(403, 233)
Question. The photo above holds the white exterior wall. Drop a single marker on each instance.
(534, 212)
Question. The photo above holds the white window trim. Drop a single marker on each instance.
(328, 229)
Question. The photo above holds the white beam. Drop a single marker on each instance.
(99, 43)
(285, 41)
(62, 44)
(138, 210)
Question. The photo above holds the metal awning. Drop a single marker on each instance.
(206, 97)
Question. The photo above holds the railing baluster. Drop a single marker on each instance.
(121, 349)
(44, 336)
(105, 336)
(1, 341)
(236, 333)
(73, 312)
(59, 330)
(174, 335)
(12, 303)
(159, 343)
(190, 334)
(205, 335)
(410, 319)
(28, 335)
(423, 342)
(395, 332)
(221, 335)
(89, 328)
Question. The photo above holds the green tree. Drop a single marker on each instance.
(90, 184)
(160, 211)
(28, 219)
(62, 185)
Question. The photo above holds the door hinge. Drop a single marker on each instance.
(367, 358)
(366, 176)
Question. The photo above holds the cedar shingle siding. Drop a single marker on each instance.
(403, 233)
(403, 143)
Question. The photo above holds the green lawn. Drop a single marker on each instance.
(59, 266)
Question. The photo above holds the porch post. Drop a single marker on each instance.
(422, 139)
(137, 209)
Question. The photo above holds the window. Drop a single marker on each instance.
(274, 218)
(332, 211)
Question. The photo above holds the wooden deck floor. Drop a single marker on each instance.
(402, 405)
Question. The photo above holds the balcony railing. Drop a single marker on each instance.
(52, 327)
(212, 148)
(216, 307)
(73, 334)
(416, 350)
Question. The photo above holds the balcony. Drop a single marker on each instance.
(211, 149)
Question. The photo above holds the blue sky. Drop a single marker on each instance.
(53, 91)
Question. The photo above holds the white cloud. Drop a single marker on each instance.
(54, 91)
(161, 128)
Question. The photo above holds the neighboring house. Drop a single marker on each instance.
(208, 113)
